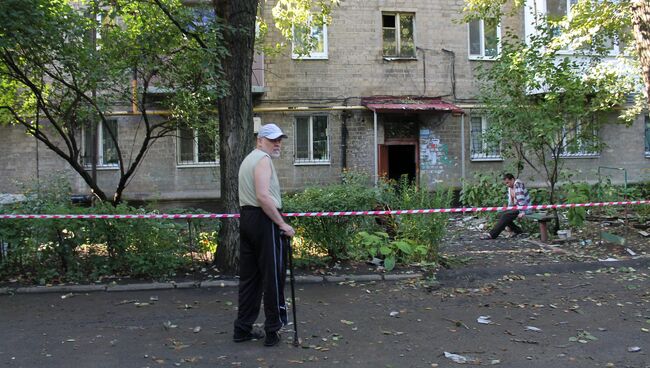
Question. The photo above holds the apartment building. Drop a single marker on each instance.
(389, 90)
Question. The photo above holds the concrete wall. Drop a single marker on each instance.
(355, 68)
(157, 178)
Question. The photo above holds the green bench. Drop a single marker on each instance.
(542, 218)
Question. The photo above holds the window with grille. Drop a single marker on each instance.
(196, 147)
(311, 139)
(481, 147)
(579, 140)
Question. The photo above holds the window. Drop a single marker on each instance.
(484, 38)
(481, 148)
(557, 10)
(107, 140)
(318, 37)
(312, 141)
(578, 141)
(196, 147)
(647, 136)
(399, 38)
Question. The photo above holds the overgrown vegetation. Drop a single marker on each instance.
(404, 238)
(75, 250)
(487, 189)
(66, 250)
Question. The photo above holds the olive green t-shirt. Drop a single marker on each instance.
(247, 195)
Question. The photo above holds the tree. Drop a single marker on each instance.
(593, 24)
(542, 104)
(237, 19)
(59, 81)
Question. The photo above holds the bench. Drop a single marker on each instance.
(542, 218)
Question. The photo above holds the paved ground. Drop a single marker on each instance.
(540, 308)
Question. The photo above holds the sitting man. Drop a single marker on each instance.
(517, 196)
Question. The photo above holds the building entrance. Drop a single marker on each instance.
(401, 161)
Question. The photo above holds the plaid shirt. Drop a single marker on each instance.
(522, 198)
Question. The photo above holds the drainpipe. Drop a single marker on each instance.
(344, 140)
(462, 146)
(376, 149)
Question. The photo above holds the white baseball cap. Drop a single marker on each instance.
(271, 131)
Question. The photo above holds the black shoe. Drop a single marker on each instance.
(272, 339)
(246, 336)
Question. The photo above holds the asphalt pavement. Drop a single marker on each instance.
(514, 304)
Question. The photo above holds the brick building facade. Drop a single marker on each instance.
(412, 51)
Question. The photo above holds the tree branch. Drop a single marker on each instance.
(187, 33)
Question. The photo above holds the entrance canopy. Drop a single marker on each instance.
(394, 104)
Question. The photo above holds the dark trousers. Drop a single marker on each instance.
(506, 218)
(262, 271)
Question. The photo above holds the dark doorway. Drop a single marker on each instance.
(401, 161)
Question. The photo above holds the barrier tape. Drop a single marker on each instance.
(330, 214)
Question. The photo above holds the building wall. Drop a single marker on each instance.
(157, 178)
(355, 68)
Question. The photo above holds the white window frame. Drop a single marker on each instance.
(614, 51)
(582, 153)
(482, 156)
(195, 152)
(100, 148)
(310, 159)
(313, 55)
(646, 136)
(398, 36)
(482, 55)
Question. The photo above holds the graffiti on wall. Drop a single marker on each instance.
(434, 155)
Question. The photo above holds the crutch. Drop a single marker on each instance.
(293, 292)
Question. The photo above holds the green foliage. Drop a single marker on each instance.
(577, 193)
(378, 244)
(86, 250)
(331, 236)
(422, 229)
(49, 59)
(542, 104)
(486, 189)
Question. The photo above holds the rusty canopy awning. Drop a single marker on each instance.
(408, 104)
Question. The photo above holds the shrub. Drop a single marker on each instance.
(421, 229)
(330, 236)
(486, 190)
(576, 193)
(78, 249)
(379, 244)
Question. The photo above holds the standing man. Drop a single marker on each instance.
(517, 196)
(262, 267)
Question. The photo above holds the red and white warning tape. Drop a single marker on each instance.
(329, 214)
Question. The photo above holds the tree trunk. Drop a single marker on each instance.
(235, 118)
(641, 21)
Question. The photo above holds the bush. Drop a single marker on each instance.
(379, 244)
(79, 249)
(336, 238)
(421, 229)
(331, 236)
